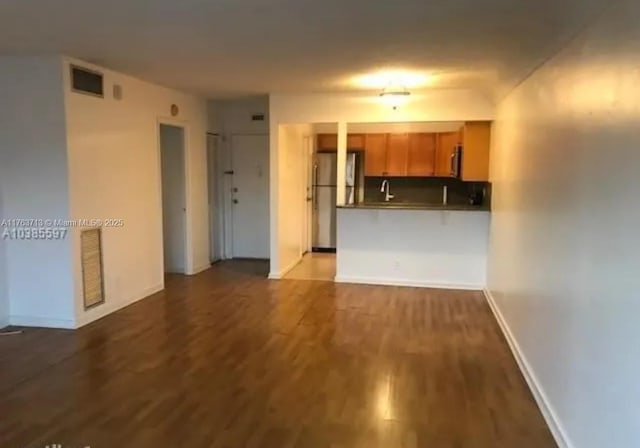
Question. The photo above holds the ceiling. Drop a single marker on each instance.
(224, 48)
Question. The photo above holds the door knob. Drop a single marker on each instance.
(235, 201)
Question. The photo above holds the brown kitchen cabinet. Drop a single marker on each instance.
(375, 155)
(329, 142)
(355, 141)
(476, 142)
(421, 154)
(397, 154)
(446, 145)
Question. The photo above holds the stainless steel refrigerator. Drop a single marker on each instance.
(324, 197)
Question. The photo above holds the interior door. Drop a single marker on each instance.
(173, 198)
(250, 209)
(307, 198)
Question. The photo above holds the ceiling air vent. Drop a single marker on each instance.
(87, 81)
(92, 274)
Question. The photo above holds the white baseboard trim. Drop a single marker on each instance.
(408, 283)
(199, 269)
(101, 311)
(559, 434)
(41, 322)
(285, 271)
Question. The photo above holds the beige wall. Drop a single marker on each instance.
(114, 172)
(564, 250)
(291, 188)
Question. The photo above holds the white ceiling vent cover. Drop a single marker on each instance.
(92, 275)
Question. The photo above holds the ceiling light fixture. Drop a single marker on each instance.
(395, 97)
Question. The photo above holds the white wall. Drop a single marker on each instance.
(233, 116)
(114, 172)
(292, 188)
(4, 293)
(446, 249)
(565, 251)
(416, 126)
(33, 182)
(437, 105)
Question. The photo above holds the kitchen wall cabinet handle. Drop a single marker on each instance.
(314, 193)
(453, 161)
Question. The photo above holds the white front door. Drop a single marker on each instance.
(250, 196)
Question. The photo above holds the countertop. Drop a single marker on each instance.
(416, 206)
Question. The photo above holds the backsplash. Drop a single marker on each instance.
(427, 190)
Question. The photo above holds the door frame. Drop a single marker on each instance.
(215, 192)
(188, 256)
(307, 194)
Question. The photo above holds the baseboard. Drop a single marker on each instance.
(559, 434)
(41, 322)
(279, 275)
(99, 312)
(409, 283)
(199, 269)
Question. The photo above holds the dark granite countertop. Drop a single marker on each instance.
(416, 206)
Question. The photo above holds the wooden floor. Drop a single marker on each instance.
(230, 359)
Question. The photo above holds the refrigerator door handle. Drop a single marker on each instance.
(314, 192)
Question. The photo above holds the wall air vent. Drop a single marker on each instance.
(92, 273)
(87, 81)
(257, 117)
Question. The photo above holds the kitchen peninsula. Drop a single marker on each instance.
(425, 217)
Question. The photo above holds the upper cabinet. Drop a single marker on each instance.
(422, 155)
(397, 154)
(375, 159)
(355, 141)
(329, 142)
(447, 142)
(476, 142)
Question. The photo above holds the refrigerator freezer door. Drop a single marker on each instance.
(324, 222)
(350, 178)
(325, 169)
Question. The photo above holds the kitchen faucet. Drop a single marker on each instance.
(385, 189)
